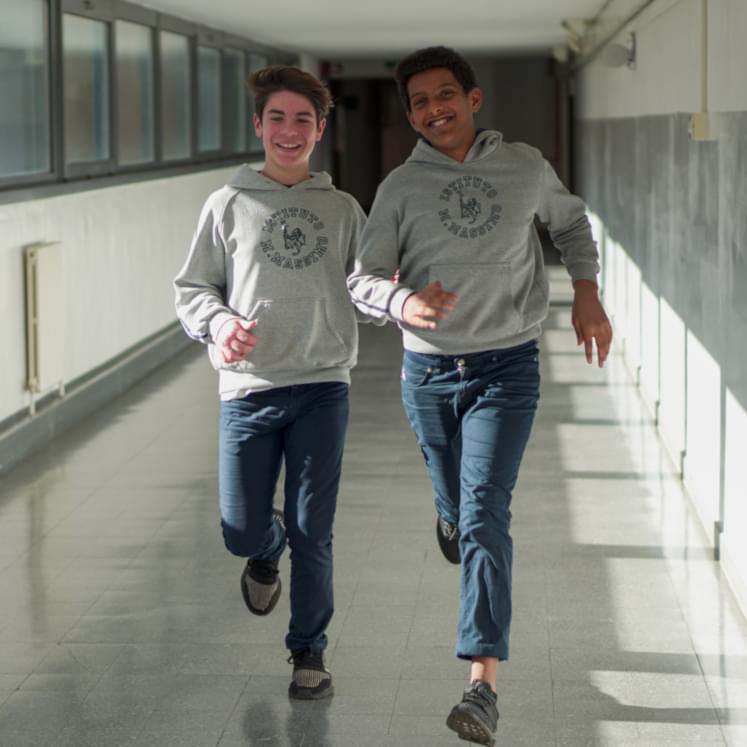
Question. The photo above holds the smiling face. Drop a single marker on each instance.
(289, 131)
(442, 112)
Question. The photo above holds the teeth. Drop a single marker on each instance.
(439, 122)
(287, 147)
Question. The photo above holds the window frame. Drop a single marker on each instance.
(62, 178)
(130, 13)
(53, 74)
(205, 37)
(103, 12)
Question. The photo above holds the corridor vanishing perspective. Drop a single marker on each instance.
(123, 622)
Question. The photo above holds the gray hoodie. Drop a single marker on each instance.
(279, 255)
(470, 225)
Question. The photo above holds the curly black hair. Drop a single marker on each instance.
(426, 59)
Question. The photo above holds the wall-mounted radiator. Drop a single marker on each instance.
(45, 319)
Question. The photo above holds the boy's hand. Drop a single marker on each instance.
(424, 308)
(590, 321)
(234, 341)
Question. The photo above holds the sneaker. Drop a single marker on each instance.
(475, 719)
(260, 581)
(448, 540)
(311, 679)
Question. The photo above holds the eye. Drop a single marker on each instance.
(418, 103)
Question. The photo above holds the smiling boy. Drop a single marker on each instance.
(264, 287)
(457, 222)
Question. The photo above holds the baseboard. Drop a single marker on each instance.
(29, 434)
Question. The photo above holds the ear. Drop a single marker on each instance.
(320, 131)
(257, 125)
(475, 100)
(411, 119)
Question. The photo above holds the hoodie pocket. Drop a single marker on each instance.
(293, 334)
(485, 310)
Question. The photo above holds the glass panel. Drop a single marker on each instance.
(176, 119)
(85, 48)
(135, 121)
(235, 100)
(24, 88)
(256, 62)
(208, 89)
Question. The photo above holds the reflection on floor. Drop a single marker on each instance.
(122, 621)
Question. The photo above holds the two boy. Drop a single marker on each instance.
(264, 285)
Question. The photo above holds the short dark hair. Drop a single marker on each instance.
(263, 83)
(428, 58)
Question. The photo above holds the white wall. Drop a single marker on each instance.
(121, 246)
(700, 419)
(667, 75)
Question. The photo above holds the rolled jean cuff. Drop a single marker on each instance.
(496, 651)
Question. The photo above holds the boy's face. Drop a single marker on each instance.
(289, 131)
(442, 112)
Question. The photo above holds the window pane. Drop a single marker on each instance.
(235, 100)
(176, 121)
(208, 88)
(85, 48)
(256, 62)
(135, 125)
(24, 88)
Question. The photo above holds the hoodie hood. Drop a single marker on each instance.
(485, 145)
(248, 178)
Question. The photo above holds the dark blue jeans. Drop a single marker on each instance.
(472, 415)
(305, 426)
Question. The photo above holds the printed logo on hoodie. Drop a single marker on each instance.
(291, 238)
(472, 210)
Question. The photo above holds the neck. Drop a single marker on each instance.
(286, 177)
(459, 152)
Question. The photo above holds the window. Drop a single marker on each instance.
(135, 102)
(176, 100)
(235, 100)
(208, 99)
(256, 62)
(85, 46)
(24, 89)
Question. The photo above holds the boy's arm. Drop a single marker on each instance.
(570, 231)
(371, 284)
(358, 221)
(200, 285)
(569, 227)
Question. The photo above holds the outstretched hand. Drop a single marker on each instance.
(590, 321)
(425, 308)
(234, 340)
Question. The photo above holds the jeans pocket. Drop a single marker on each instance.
(415, 373)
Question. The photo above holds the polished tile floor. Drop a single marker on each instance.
(122, 621)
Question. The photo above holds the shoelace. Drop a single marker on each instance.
(448, 530)
(307, 659)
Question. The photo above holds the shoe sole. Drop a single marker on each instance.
(447, 550)
(469, 728)
(255, 610)
(308, 693)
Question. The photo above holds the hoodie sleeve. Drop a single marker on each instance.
(371, 284)
(569, 227)
(201, 283)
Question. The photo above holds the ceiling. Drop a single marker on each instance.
(376, 28)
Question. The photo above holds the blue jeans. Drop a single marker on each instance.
(472, 415)
(305, 426)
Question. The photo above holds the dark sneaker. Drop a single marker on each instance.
(260, 586)
(311, 679)
(476, 717)
(448, 540)
(260, 581)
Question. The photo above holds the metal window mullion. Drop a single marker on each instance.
(56, 93)
(113, 100)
